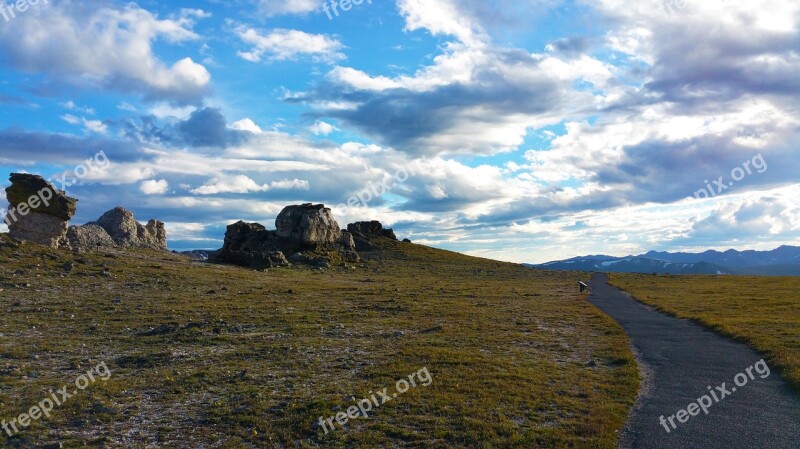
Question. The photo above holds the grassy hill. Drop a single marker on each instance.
(762, 311)
(225, 357)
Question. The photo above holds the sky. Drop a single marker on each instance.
(524, 130)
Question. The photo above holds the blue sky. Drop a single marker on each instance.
(535, 129)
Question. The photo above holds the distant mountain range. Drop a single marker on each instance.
(783, 261)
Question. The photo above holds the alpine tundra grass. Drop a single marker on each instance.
(215, 356)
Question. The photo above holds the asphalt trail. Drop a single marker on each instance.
(681, 359)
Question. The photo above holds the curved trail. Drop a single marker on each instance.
(681, 359)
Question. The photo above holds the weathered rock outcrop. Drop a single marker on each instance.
(118, 227)
(371, 229)
(38, 211)
(365, 231)
(89, 236)
(251, 245)
(301, 228)
(127, 232)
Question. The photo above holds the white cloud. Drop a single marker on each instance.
(244, 184)
(154, 187)
(54, 41)
(282, 44)
(92, 126)
(441, 17)
(95, 126)
(246, 124)
(70, 105)
(71, 119)
(280, 7)
(320, 128)
(163, 110)
(126, 107)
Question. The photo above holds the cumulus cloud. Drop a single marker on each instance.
(246, 125)
(728, 65)
(283, 44)
(475, 97)
(53, 41)
(320, 128)
(154, 187)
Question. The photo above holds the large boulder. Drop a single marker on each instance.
(129, 233)
(309, 225)
(38, 211)
(24, 187)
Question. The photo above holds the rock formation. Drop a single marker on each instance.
(364, 231)
(371, 229)
(89, 236)
(118, 227)
(38, 211)
(251, 245)
(303, 228)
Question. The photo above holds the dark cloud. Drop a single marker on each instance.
(205, 127)
(13, 100)
(751, 221)
(61, 149)
(407, 119)
(721, 62)
(572, 46)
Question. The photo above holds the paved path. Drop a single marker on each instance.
(681, 359)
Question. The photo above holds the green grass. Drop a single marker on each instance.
(245, 359)
(762, 311)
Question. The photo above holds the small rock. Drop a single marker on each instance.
(395, 334)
